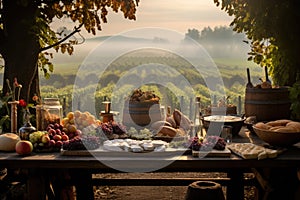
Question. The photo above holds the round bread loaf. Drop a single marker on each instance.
(294, 124)
(280, 122)
(168, 131)
(8, 141)
(286, 130)
(157, 125)
(262, 125)
(171, 121)
(274, 128)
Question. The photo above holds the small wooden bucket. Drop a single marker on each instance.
(267, 104)
(141, 113)
(206, 190)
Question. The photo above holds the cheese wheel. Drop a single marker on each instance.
(8, 141)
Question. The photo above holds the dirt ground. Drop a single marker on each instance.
(16, 192)
(156, 192)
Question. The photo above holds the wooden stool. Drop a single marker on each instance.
(206, 190)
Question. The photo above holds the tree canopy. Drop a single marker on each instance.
(26, 33)
(272, 27)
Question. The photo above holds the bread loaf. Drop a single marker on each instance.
(296, 125)
(168, 131)
(274, 128)
(262, 125)
(157, 125)
(282, 125)
(8, 141)
(286, 130)
(182, 120)
(171, 121)
(280, 122)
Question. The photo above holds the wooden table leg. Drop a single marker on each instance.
(283, 182)
(235, 188)
(83, 182)
(36, 185)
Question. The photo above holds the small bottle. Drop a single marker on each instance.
(51, 112)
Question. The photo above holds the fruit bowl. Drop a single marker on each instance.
(215, 123)
(277, 138)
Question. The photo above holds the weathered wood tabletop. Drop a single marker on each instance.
(234, 165)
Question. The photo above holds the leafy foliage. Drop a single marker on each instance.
(26, 33)
(273, 30)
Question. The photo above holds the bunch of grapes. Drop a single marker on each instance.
(195, 143)
(207, 146)
(118, 128)
(82, 143)
(215, 142)
(73, 144)
(220, 145)
(107, 128)
(91, 142)
(36, 137)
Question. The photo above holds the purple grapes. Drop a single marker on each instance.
(82, 143)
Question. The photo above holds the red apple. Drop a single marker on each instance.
(24, 147)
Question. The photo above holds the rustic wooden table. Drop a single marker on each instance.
(40, 164)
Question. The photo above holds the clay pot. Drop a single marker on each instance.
(204, 190)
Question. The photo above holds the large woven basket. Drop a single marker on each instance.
(277, 138)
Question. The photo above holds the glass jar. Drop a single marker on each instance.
(51, 112)
(38, 116)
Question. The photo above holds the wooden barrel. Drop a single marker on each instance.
(267, 104)
(141, 113)
(206, 190)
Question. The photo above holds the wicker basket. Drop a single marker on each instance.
(277, 138)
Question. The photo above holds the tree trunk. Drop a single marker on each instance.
(21, 47)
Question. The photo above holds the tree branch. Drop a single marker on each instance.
(76, 30)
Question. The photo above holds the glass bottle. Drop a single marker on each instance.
(51, 112)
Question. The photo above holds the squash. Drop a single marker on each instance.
(8, 141)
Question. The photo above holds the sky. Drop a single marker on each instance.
(177, 15)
